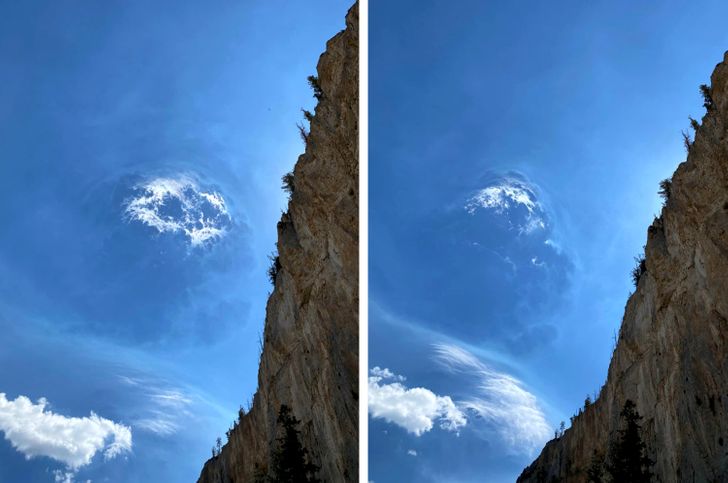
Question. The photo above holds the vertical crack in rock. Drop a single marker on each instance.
(311, 337)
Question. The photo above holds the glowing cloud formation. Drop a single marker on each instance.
(505, 196)
(179, 205)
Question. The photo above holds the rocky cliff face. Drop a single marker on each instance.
(310, 350)
(671, 357)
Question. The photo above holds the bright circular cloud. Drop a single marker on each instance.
(179, 205)
(513, 198)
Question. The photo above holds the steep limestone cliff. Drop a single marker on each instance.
(671, 357)
(310, 349)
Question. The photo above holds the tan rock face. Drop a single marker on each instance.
(310, 349)
(671, 358)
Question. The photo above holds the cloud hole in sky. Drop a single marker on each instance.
(513, 198)
(179, 205)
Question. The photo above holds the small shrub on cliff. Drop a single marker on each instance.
(303, 133)
(217, 449)
(665, 189)
(687, 142)
(628, 460)
(693, 123)
(307, 115)
(705, 91)
(587, 402)
(275, 266)
(315, 86)
(289, 460)
(288, 183)
(639, 269)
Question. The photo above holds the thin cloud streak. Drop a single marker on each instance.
(499, 399)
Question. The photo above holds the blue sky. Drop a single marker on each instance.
(141, 150)
(515, 154)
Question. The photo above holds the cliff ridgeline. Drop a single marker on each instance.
(671, 357)
(307, 397)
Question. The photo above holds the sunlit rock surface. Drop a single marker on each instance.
(671, 353)
(310, 349)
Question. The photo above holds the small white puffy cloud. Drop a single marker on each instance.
(385, 373)
(179, 205)
(414, 409)
(33, 430)
(507, 194)
(499, 399)
(411, 452)
(65, 476)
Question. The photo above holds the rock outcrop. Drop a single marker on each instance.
(671, 357)
(310, 357)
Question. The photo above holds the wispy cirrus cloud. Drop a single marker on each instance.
(34, 430)
(414, 409)
(179, 205)
(165, 410)
(498, 398)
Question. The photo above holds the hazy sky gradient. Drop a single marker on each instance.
(515, 155)
(153, 327)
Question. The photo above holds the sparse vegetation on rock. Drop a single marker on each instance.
(303, 133)
(687, 142)
(288, 181)
(665, 189)
(705, 91)
(639, 269)
(275, 266)
(315, 86)
(693, 123)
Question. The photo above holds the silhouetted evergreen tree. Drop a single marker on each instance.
(289, 461)
(595, 473)
(628, 460)
(260, 475)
